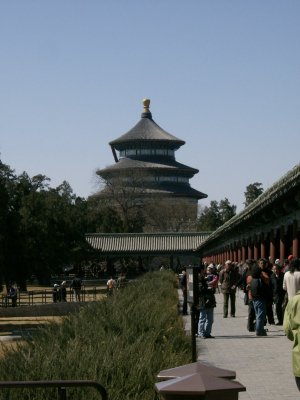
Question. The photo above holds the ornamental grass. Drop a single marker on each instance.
(122, 342)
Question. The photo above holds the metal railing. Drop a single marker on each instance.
(60, 385)
(45, 296)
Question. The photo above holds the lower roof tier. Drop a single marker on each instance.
(146, 164)
(161, 190)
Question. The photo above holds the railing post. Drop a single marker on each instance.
(61, 393)
(60, 385)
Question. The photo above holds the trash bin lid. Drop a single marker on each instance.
(196, 384)
(198, 368)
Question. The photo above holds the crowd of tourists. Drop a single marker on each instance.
(271, 292)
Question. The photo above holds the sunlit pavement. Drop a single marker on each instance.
(262, 364)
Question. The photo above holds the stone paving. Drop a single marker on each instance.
(262, 364)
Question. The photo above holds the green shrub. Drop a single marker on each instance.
(121, 342)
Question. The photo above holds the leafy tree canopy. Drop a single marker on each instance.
(42, 229)
(252, 192)
(215, 215)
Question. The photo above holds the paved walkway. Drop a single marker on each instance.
(262, 364)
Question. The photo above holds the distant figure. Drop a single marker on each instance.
(229, 279)
(247, 289)
(278, 291)
(111, 284)
(268, 273)
(55, 293)
(286, 263)
(207, 303)
(183, 287)
(291, 279)
(12, 293)
(121, 281)
(261, 292)
(63, 292)
(76, 285)
(212, 278)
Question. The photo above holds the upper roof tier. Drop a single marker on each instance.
(147, 133)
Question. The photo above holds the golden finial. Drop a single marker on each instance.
(146, 103)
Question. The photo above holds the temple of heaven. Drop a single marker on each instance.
(147, 163)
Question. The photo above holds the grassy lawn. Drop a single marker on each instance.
(121, 342)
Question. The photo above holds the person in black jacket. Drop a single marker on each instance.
(270, 314)
(261, 294)
(247, 301)
(207, 303)
(278, 291)
(76, 285)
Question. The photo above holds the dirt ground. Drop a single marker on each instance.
(9, 346)
(8, 326)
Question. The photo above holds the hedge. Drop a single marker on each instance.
(121, 342)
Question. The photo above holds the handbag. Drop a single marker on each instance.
(285, 301)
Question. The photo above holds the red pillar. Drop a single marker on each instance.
(272, 247)
(282, 245)
(295, 239)
(256, 251)
(227, 255)
(244, 253)
(250, 251)
(239, 255)
(262, 249)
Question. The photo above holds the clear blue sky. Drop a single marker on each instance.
(223, 75)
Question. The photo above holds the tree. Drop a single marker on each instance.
(209, 220)
(127, 196)
(8, 221)
(101, 217)
(226, 210)
(169, 216)
(252, 192)
(215, 215)
(53, 225)
(134, 198)
(41, 229)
